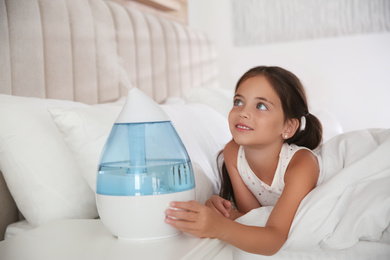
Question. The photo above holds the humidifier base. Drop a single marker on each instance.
(139, 217)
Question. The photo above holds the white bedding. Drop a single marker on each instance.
(347, 215)
(50, 166)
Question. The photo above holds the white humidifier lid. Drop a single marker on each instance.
(140, 108)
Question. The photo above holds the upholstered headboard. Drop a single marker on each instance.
(92, 51)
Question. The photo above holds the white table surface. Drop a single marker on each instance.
(72, 239)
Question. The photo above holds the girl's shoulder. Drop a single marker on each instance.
(303, 165)
(304, 157)
(230, 152)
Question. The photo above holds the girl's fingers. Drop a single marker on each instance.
(179, 224)
(196, 228)
(187, 211)
(222, 209)
(181, 214)
(227, 204)
(182, 220)
(190, 205)
(193, 217)
(223, 206)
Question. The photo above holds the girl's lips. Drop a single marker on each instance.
(243, 127)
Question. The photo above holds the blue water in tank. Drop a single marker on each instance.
(141, 159)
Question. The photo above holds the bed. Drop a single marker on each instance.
(62, 59)
(66, 67)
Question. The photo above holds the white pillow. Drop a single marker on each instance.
(217, 98)
(39, 169)
(330, 124)
(203, 131)
(174, 101)
(85, 131)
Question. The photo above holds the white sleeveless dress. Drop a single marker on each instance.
(265, 194)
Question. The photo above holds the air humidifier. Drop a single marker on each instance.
(143, 167)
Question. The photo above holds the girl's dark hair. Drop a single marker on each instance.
(294, 104)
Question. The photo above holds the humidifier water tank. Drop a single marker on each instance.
(143, 167)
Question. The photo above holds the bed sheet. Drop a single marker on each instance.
(347, 215)
(362, 250)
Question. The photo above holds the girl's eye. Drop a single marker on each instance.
(237, 102)
(261, 106)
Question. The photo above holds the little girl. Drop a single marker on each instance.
(269, 162)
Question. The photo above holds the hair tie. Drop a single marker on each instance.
(303, 123)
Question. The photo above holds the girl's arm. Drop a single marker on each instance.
(199, 220)
(245, 200)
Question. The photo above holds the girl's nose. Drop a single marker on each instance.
(244, 113)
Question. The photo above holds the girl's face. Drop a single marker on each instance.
(256, 118)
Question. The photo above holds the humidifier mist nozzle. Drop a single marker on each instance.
(140, 108)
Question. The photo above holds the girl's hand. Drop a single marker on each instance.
(220, 205)
(195, 218)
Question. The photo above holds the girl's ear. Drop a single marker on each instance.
(290, 128)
